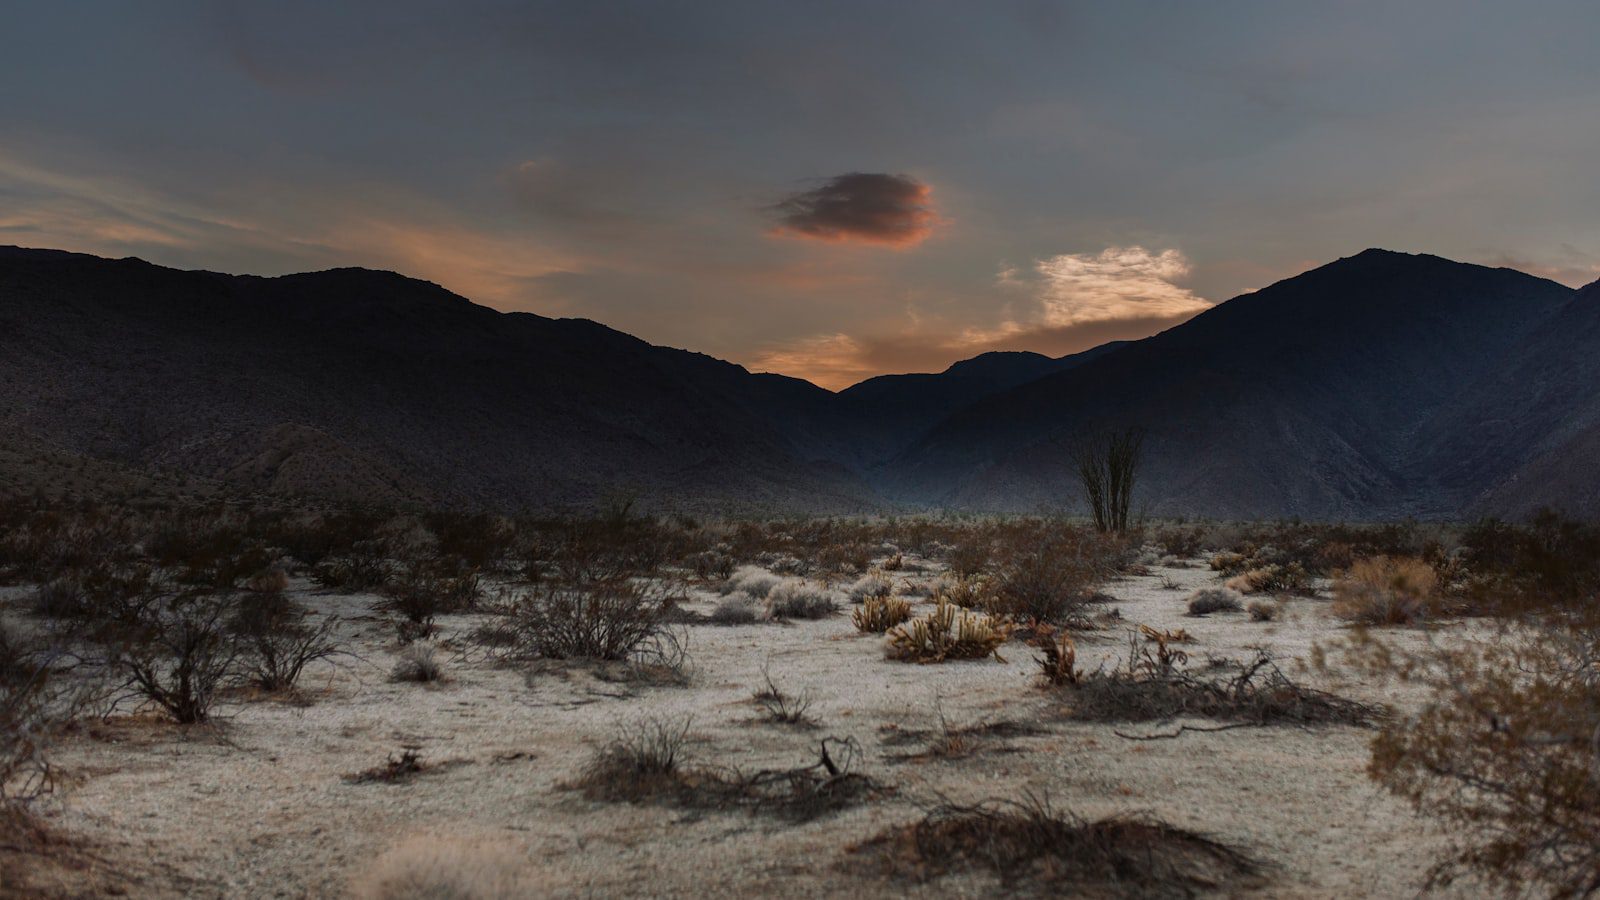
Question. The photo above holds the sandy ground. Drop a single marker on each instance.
(260, 806)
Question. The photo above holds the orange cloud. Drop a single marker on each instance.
(1072, 302)
(860, 208)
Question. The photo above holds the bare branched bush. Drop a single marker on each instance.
(279, 640)
(1504, 750)
(781, 707)
(1386, 591)
(1028, 843)
(1108, 469)
(1049, 578)
(606, 620)
(1213, 599)
(946, 633)
(175, 653)
(35, 705)
(879, 614)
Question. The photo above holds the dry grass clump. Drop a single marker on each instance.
(1289, 578)
(782, 708)
(445, 868)
(1027, 844)
(751, 580)
(646, 764)
(874, 584)
(1264, 611)
(1209, 600)
(1386, 591)
(879, 614)
(417, 664)
(948, 632)
(800, 600)
(738, 609)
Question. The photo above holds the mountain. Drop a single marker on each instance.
(1316, 396)
(1381, 385)
(356, 384)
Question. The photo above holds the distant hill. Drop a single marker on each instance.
(1381, 385)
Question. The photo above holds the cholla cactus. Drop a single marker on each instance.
(879, 614)
(948, 632)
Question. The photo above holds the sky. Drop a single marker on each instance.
(827, 190)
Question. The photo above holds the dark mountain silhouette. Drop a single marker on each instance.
(1381, 385)
(1311, 397)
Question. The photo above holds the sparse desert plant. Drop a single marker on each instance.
(268, 581)
(971, 592)
(948, 632)
(418, 663)
(423, 591)
(1386, 591)
(1029, 844)
(1108, 470)
(872, 584)
(435, 867)
(1287, 578)
(801, 600)
(709, 565)
(393, 770)
(642, 761)
(279, 641)
(1230, 563)
(877, 615)
(780, 707)
(35, 705)
(606, 620)
(1214, 599)
(1046, 579)
(175, 653)
(1503, 750)
(970, 557)
(1058, 661)
(62, 597)
(738, 609)
(1264, 610)
(752, 580)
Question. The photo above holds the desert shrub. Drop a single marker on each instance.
(1231, 563)
(417, 663)
(709, 565)
(34, 707)
(879, 614)
(738, 609)
(605, 620)
(948, 632)
(872, 584)
(969, 557)
(801, 600)
(279, 641)
(60, 598)
(1550, 562)
(1028, 843)
(1386, 591)
(362, 568)
(1047, 579)
(1058, 660)
(1213, 599)
(268, 581)
(1503, 750)
(1184, 543)
(1286, 578)
(175, 652)
(646, 763)
(781, 707)
(423, 591)
(1155, 685)
(1264, 611)
(965, 592)
(445, 868)
(752, 580)
(394, 769)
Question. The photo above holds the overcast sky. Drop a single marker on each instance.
(827, 190)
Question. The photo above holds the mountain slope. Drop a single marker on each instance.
(1303, 398)
(352, 381)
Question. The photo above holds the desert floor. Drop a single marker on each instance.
(260, 804)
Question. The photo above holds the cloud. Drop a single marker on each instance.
(860, 208)
(1068, 302)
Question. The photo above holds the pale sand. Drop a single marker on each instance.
(260, 808)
